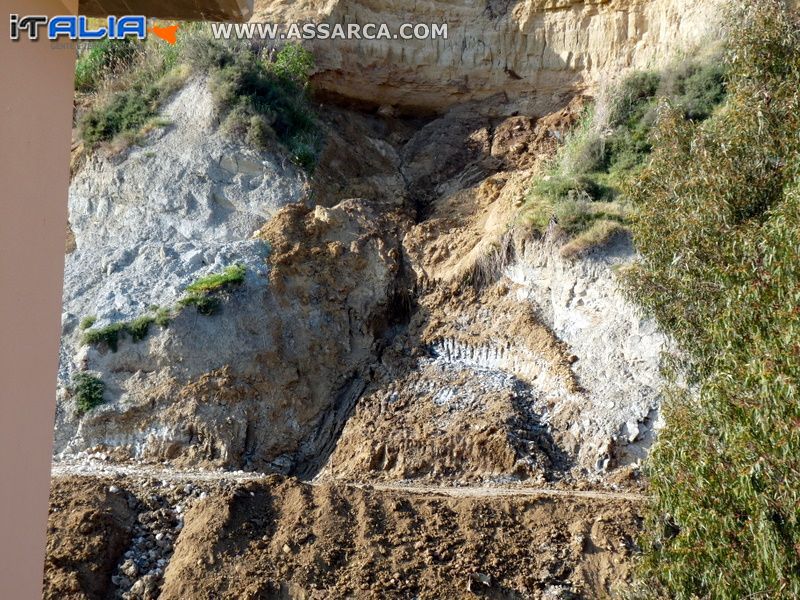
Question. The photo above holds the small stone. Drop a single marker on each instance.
(631, 431)
(113, 489)
(129, 568)
(138, 588)
(478, 578)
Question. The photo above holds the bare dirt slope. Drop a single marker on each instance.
(281, 538)
(447, 408)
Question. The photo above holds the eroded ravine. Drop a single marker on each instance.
(408, 393)
(436, 373)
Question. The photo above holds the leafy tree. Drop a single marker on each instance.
(718, 228)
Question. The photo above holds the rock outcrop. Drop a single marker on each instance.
(529, 55)
(466, 352)
(233, 388)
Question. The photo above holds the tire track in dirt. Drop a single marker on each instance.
(198, 475)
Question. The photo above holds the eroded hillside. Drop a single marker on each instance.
(529, 55)
(369, 381)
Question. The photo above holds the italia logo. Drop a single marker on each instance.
(78, 28)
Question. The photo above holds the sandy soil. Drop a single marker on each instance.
(251, 536)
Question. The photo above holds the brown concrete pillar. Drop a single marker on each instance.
(35, 130)
(36, 92)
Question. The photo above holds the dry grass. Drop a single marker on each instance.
(599, 234)
(489, 266)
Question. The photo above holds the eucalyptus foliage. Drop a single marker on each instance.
(717, 222)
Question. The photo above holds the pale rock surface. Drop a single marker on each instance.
(529, 55)
(152, 220)
(616, 350)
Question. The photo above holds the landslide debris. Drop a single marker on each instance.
(280, 538)
(393, 327)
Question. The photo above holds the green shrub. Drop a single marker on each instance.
(304, 149)
(599, 155)
(259, 133)
(102, 58)
(151, 73)
(87, 322)
(559, 187)
(591, 155)
(295, 63)
(205, 54)
(88, 390)
(261, 99)
(127, 111)
(697, 89)
(108, 335)
(718, 228)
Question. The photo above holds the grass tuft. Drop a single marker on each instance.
(597, 235)
(139, 327)
(100, 60)
(205, 305)
(108, 335)
(199, 294)
(232, 275)
(87, 322)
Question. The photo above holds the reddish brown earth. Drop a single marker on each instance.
(280, 538)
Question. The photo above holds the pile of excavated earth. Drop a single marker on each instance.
(408, 395)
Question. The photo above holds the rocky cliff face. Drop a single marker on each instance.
(528, 55)
(466, 354)
(228, 389)
(395, 326)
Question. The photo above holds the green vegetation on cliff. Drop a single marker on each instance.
(88, 390)
(100, 60)
(202, 294)
(717, 221)
(261, 93)
(582, 187)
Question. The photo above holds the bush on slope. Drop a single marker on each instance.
(718, 225)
